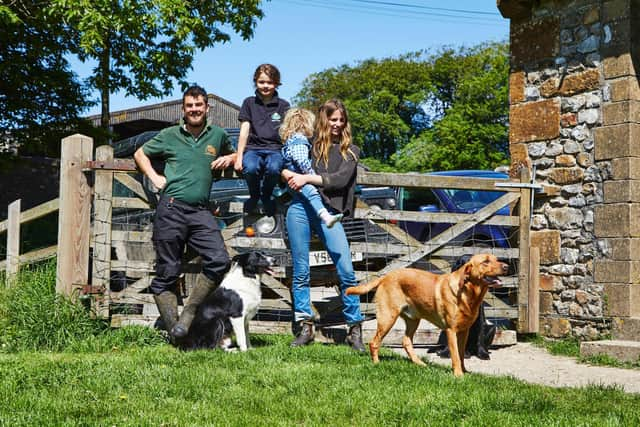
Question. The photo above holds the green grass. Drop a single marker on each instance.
(58, 366)
(571, 347)
(276, 385)
(564, 347)
(34, 318)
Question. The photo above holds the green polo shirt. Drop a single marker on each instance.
(188, 160)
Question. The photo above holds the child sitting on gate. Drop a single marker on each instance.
(259, 158)
(296, 130)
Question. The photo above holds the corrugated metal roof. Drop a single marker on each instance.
(222, 113)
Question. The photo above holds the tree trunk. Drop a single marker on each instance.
(105, 72)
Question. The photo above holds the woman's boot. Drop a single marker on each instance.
(354, 338)
(305, 336)
(200, 290)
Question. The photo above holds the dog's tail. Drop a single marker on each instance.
(363, 289)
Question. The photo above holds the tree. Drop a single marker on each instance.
(144, 46)
(40, 97)
(470, 113)
(422, 111)
(383, 97)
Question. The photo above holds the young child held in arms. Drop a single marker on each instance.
(296, 130)
(259, 157)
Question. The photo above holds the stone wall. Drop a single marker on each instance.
(575, 120)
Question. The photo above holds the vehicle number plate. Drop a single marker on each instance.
(322, 258)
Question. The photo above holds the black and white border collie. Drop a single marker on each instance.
(231, 306)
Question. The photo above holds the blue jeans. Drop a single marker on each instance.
(310, 193)
(300, 220)
(265, 166)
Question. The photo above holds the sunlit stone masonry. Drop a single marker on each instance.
(575, 123)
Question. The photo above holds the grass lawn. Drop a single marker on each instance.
(275, 385)
(61, 367)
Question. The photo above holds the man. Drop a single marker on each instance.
(190, 151)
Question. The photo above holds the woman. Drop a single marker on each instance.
(335, 160)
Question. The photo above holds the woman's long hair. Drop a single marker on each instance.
(324, 139)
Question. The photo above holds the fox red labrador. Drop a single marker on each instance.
(449, 301)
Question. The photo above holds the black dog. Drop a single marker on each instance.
(481, 332)
(231, 306)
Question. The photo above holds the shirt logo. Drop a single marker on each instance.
(275, 117)
(211, 150)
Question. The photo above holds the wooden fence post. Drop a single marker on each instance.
(13, 242)
(74, 220)
(534, 292)
(524, 243)
(102, 205)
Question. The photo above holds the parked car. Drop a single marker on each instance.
(377, 197)
(455, 201)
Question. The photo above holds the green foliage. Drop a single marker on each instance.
(34, 317)
(277, 385)
(422, 111)
(470, 108)
(140, 47)
(384, 99)
(7, 16)
(36, 234)
(561, 347)
(40, 97)
(143, 47)
(376, 165)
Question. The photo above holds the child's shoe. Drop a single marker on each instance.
(328, 219)
(333, 220)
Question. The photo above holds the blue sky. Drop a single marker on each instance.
(305, 36)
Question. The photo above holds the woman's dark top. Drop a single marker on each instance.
(338, 179)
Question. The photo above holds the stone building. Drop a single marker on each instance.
(575, 122)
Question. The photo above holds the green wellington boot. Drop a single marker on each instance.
(199, 292)
(167, 303)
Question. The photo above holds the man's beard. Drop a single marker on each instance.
(195, 121)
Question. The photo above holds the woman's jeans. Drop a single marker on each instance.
(300, 220)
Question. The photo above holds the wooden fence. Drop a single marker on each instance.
(86, 182)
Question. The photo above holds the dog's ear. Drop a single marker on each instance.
(463, 274)
(241, 258)
(467, 268)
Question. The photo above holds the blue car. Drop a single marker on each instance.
(455, 201)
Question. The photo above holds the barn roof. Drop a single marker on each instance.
(130, 122)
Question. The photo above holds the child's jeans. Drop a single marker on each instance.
(311, 195)
(261, 166)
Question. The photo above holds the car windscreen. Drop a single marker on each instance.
(411, 199)
(471, 199)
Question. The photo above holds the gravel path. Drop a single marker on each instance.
(532, 364)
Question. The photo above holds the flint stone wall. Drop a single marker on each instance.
(575, 121)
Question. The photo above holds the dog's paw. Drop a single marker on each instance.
(483, 354)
